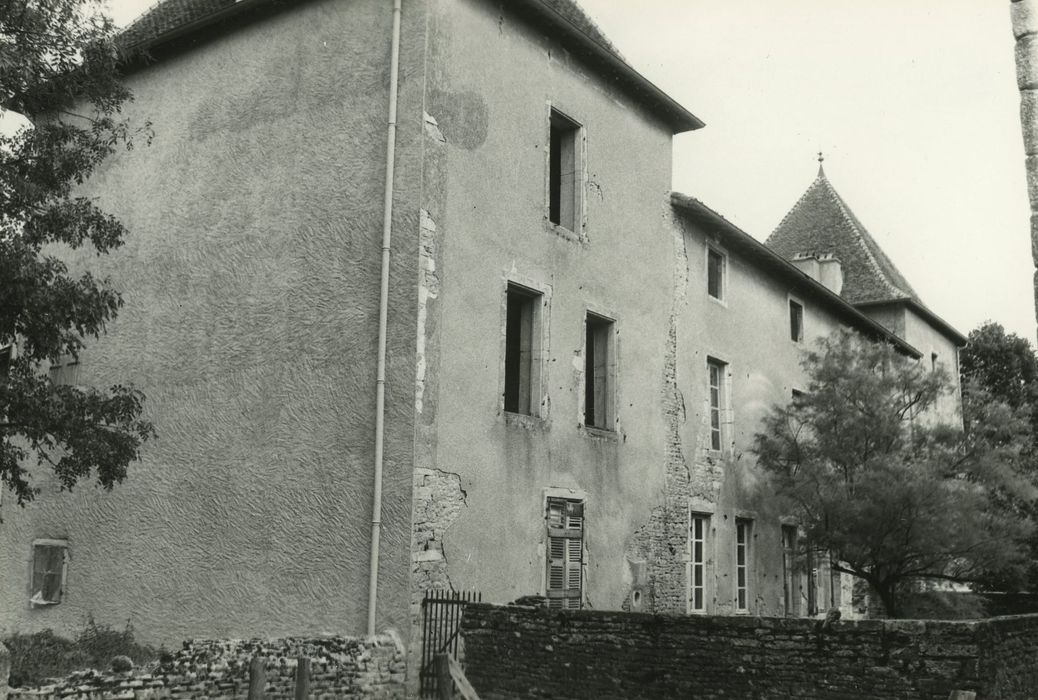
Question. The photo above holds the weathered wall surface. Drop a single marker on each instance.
(251, 279)
(340, 667)
(1024, 16)
(485, 209)
(518, 652)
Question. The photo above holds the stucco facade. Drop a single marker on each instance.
(252, 281)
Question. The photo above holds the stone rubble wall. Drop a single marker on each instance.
(341, 667)
(514, 652)
(1024, 17)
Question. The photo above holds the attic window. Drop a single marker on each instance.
(564, 172)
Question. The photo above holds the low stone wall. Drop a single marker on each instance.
(341, 667)
(513, 652)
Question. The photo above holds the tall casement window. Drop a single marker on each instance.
(564, 172)
(715, 274)
(521, 346)
(699, 526)
(718, 401)
(742, 564)
(598, 372)
(565, 553)
(789, 588)
(796, 322)
(48, 571)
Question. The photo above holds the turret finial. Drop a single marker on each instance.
(821, 171)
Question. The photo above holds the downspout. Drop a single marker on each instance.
(383, 315)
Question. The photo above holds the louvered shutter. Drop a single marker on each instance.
(565, 553)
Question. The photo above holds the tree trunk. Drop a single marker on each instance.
(887, 593)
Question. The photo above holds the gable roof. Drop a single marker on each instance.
(168, 20)
(821, 222)
(765, 258)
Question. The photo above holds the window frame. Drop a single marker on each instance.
(34, 569)
(722, 255)
(743, 551)
(700, 563)
(529, 369)
(721, 407)
(559, 121)
(791, 592)
(794, 302)
(604, 387)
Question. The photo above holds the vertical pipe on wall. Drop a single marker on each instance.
(383, 315)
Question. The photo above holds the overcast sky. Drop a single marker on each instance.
(913, 102)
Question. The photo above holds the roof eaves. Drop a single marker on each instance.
(779, 264)
(603, 57)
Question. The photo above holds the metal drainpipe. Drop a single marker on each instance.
(383, 314)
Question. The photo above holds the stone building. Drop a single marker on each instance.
(577, 359)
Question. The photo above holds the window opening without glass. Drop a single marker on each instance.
(564, 172)
(796, 321)
(520, 347)
(598, 372)
(714, 274)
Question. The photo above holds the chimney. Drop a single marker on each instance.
(821, 267)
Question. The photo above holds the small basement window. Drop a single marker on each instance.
(49, 561)
(796, 321)
(564, 172)
(598, 372)
(520, 347)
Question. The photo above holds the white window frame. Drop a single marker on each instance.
(698, 561)
(743, 551)
(722, 407)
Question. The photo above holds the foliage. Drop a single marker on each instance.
(59, 69)
(1002, 367)
(42, 655)
(877, 481)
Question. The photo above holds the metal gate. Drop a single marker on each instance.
(441, 620)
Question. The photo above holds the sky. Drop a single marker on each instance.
(913, 103)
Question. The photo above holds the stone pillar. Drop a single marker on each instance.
(1024, 15)
(5, 670)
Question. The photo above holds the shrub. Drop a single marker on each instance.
(42, 655)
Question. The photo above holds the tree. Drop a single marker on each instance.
(893, 495)
(59, 70)
(1000, 367)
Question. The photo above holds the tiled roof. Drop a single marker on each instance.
(821, 222)
(167, 15)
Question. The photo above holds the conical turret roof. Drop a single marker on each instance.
(821, 222)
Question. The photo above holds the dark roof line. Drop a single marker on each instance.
(175, 19)
(738, 239)
(924, 311)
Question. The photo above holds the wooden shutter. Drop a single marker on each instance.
(565, 553)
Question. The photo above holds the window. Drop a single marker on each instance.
(813, 582)
(698, 529)
(598, 372)
(742, 565)
(6, 356)
(796, 321)
(718, 401)
(933, 361)
(789, 588)
(565, 553)
(835, 586)
(48, 571)
(520, 349)
(715, 263)
(564, 172)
